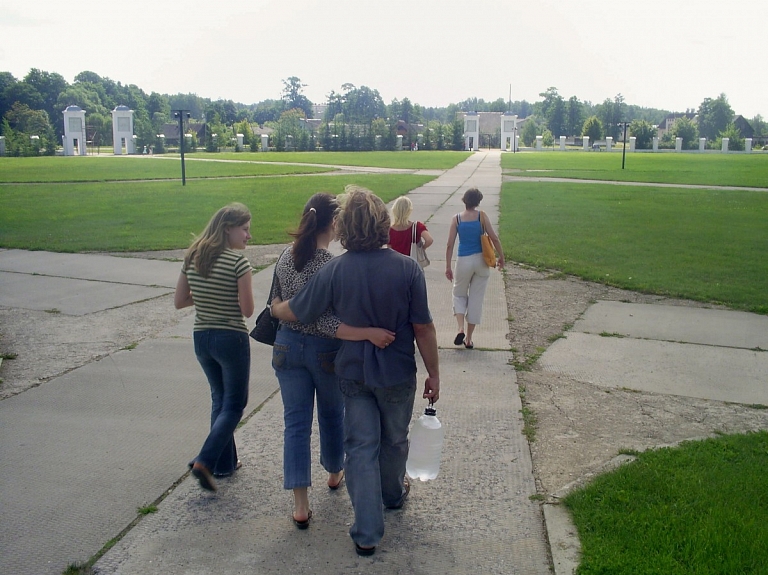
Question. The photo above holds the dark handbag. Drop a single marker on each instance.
(265, 330)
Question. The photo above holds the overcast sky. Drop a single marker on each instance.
(668, 54)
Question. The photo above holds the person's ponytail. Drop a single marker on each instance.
(317, 217)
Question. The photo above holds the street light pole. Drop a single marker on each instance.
(624, 149)
(182, 136)
(514, 136)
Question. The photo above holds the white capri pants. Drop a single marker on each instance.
(469, 282)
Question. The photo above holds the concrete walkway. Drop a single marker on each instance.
(84, 451)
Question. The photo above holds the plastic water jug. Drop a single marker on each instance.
(426, 446)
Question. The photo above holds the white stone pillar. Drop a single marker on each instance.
(539, 142)
(725, 144)
(471, 131)
(265, 142)
(240, 138)
(748, 145)
(562, 143)
(586, 143)
(122, 130)
(74, 131)
(608, 143)
(508, 131)
(678, 144)
(399, 145)
(702, 144)
(2, 146)
(632, 143)
(655, 143)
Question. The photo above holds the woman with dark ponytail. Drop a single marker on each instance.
(303, 360)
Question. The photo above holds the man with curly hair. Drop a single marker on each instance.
(369, 286)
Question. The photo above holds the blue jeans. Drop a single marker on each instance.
(304, 367)
(376, 442)
(225, 356)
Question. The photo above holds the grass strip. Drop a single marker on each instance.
(746, 170)
(106, 169)
(422, 160)
(700, 508)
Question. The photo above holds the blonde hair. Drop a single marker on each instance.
(362, 224)
(401, 211)
(206, 248)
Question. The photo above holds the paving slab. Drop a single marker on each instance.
(89, 448)
(715, 327)
(693, 352)
(70, 296)
(703, 371)
(491, 333)
(94, 267)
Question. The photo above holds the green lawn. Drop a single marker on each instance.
(712, 169)
(205, 165)
(705, 245)
(105, 168)
(112, 216)
(697, 509)
(422, 160)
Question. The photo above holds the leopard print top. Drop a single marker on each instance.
(289, 283)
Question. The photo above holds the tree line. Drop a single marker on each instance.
(354, 118)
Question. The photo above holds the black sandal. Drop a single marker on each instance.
(341, 480)
(303, 524)
(365, 551)
(459, 339)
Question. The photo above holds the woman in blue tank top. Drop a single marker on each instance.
(472, 273)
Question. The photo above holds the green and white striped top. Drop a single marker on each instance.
(216, 302)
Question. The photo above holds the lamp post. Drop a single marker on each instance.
(180, 115)
(514, 137)
(624, 148)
